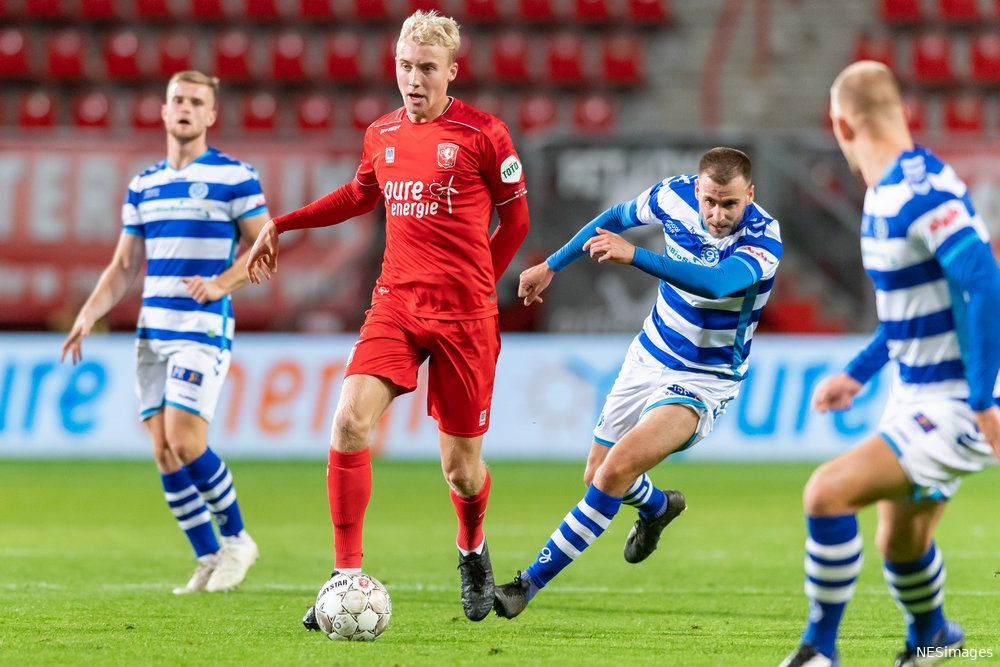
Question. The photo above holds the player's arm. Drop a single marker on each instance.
(837, 392)
(117, 277)
(509, 234)
(348, 201)
(535, 280)
(205, 290)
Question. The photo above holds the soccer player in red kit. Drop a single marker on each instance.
(442, 166)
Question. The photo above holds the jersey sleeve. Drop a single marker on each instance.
(365, 174)
(131, 221)
(247, 197)
(642, 208)
(949, 228)
(500, 165)
(760, 248)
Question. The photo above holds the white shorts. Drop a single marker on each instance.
(182, 374)
(937, 444)
(644, 383)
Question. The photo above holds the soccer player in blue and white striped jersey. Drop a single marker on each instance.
(937, 294)
(183, 219)
(687, 363)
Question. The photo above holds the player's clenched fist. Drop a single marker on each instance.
(263, 257)
(836, 392)
(533, 282)
(608, 246)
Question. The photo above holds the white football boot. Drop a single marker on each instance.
(199, 580)
(238, 553)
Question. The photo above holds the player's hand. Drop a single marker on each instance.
(204, 290)
(263, 257)
(533, 282)
(836, 392)
(609, 247)
(988, 422)
(74, 341)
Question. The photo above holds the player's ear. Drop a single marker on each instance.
(213, 115)
(452, 71)
(750, 191)
(844, 128)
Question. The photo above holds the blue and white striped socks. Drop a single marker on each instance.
(213, 480)
(188, 507)
(918, 587)
(578, 530)
(832, 563)
(649, 500)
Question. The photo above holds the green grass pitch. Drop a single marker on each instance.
(88, 554)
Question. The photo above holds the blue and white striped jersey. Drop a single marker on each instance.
(188, 219)
(915, 219)
(694, 333)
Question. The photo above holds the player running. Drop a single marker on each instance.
(442, 167)
(937, 294)
(686, 364)
(182, 219)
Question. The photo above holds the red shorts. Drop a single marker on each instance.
(463, 358)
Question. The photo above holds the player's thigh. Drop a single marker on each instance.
(598, 452)
(865, 474)
(195, 376)
(906, 527)
(661, 431)
(461, 372)
(387, 348)
(640, 377)
(186, 431)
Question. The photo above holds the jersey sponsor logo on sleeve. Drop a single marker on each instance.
(510, 170)
(447, 155)
(757, 254)
(944, 220)
(390, 154)
(198, 190)
(186, 375)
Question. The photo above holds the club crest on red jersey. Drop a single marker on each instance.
(447, 155)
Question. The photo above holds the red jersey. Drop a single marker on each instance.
(440, 181)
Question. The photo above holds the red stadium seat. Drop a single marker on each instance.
(622, 59)
(173, 53)
(145, 112)
(489, 103)
(65, 55)
(564, 56)
(366, 109)
(426, 6)
(370, 10)
(232, 56)
(207, 10)
(985, 65)
(880, 48)
(97, 10)
(288, 52)
(315, 10)
(964, 114)
(13, 54)
(264, 11)
(648, 11)
(959, 11)
(931, 59)
(916, 109)
(343, 57)
(121, 55)
(43, 9)
(480, 11)
(536, 112)
(536, 11)
(386, 47)
(260, 111)
(37, 109)
(594, 114)
(314, 112)
(510, 58)
(592, 11)
(900, 11)
(92, 110)
(153, 10)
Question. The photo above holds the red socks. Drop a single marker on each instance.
(470, 513)
(349, 485)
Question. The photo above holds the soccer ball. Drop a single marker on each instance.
(354, 607)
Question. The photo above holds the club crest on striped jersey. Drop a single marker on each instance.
(709, 255)
(198, 190)
(447, 155)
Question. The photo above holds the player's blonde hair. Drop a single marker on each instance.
(432, 29)
(194, 76)
(867, 93)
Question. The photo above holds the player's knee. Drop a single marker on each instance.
(823, 494)
(588, 476)
(350, 430)
(464, 482)
(614, 475)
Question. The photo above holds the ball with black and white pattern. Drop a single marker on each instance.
(353, 607)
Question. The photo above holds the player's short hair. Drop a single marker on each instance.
(723, 164)
(194, 76)
(867, 90)
(432, 29)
